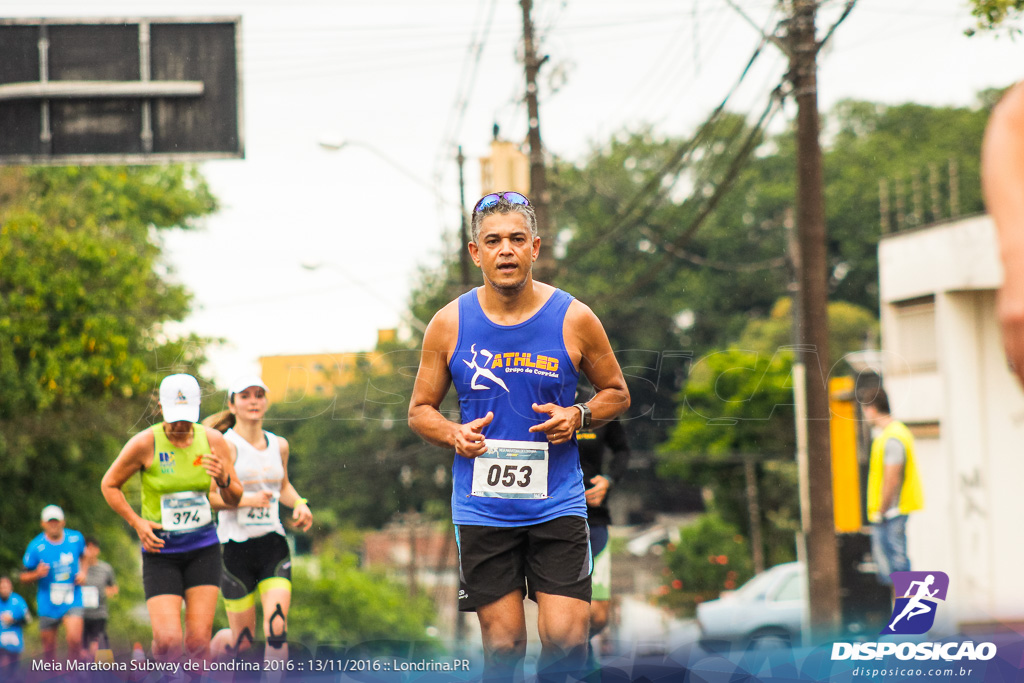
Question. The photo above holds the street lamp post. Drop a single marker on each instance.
(407, 316)
(337, 145)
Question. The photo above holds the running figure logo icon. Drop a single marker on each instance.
(483, 371)
(914, 612)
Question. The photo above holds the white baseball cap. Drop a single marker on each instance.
(52, 512)
(244, 382)
(179, 398)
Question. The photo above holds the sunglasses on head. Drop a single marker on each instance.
(489, 200)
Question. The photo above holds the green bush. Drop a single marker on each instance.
(335, 602)
(711, 556)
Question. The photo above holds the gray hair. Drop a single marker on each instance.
(504, 206)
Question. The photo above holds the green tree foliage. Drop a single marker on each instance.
(614, 234)
(738, 404)
(994, 14)
(83, 301)
(83, 297)
(711, 557)
(624, 218)
(334, 602)
(850, 328)
(735, 402)
(903, 145)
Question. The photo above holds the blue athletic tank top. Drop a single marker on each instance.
(505, 369)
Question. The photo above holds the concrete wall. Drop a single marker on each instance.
(973, 470)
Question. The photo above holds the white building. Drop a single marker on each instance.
(947, 378)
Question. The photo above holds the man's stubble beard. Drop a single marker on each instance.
(510, 289)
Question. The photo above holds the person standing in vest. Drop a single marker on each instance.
(894, 486)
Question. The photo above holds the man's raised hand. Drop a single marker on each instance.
(562, 424)
(469, 438)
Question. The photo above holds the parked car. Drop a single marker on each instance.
(765, 612)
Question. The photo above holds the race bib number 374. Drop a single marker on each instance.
(184, 511)
(512, 469)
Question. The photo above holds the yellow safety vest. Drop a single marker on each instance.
(911, 494)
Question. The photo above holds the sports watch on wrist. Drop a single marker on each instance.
(584, 414)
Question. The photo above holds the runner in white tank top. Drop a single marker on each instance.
(256, 555)
(261, 473)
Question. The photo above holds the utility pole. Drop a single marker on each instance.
(545, 266)
(822, 555)
(754, 511)
(412, 519)
(464, 229)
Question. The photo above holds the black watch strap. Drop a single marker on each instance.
(584, 414)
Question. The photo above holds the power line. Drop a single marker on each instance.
(738, 162)
(723, 266)
(671, 167)
(467, 79)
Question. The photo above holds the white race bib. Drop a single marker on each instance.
(62, 594)
(184, 511)
(512, 469)
(10, 639)
(90, 597)
(268, 517)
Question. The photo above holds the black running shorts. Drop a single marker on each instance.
(249, 563)
(95, 631)
(174, 573)
(552, 557)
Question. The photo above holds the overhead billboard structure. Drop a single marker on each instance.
(120, 91)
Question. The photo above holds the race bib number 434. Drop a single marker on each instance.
(512, 469)
(268, 516)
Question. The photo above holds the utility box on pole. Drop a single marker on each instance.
(847, 507)
(119, 91)
(864, 602)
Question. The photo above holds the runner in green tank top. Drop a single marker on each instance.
(180, 463)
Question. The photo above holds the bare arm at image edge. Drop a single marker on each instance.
(1002, 175)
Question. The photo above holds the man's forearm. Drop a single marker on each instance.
(432, 426)
(607, 404)
(891, 489)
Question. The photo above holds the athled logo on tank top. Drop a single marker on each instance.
(511, 362)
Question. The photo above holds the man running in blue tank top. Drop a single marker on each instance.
(514, 349)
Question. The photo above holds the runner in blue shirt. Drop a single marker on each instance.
(514, 349)
(13, 615)
(52, 560)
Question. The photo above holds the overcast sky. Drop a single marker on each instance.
(401, 81)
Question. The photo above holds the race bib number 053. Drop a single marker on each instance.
(512, 469)
(184, 511)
